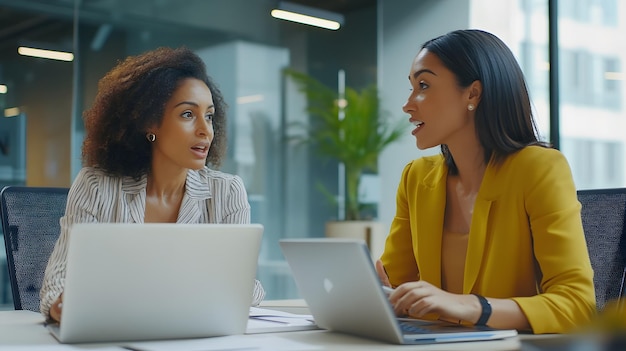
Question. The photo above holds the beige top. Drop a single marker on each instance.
(453, 252)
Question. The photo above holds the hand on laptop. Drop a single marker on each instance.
(382, 274)
(420, 298)
(55, 309)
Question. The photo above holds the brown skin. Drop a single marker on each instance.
(182, 143)
(185, 130)
(55, 309)
(443, 106)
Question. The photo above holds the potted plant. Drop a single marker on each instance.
(356, 140)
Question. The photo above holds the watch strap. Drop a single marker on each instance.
(486, 310)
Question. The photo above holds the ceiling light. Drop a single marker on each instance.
(48, 54)
(12, 112)
(249, 99)
(3, 89)
(308, 15)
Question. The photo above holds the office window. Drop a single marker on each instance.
(593, 117)
(614, 162)
(596, 163)
(602, 12)
(535, 65)
(525, 31)
(245, 61)
(590, 79)
(591, 76)
(612, 81)
(606, 12)
(576, 86)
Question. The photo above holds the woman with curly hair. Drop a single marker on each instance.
(158, 122)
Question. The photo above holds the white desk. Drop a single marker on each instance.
(23, 327)
(26, 328)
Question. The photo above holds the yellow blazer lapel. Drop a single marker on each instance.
(476, 243)
(479, 235)
(430, 202)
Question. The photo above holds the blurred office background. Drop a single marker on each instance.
(245, 49)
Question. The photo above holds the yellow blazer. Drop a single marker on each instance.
(526, 239)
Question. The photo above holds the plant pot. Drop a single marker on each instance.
(372, 232)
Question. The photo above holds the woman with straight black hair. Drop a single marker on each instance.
(488, 232)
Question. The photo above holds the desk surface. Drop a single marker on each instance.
(26, 328)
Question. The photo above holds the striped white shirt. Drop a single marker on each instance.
(210, 197)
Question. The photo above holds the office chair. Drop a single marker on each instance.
(30, 223)
(604, 222)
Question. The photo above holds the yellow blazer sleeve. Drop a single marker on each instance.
(566, 298)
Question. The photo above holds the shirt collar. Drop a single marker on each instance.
(197, 186)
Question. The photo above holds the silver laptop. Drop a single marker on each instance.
(157, 281)
(338, 280)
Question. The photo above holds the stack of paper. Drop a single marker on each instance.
(271, 321)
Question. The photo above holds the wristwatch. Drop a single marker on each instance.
(486, 310)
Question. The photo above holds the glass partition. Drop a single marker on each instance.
(593, 116)
(245, 50)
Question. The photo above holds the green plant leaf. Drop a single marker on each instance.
(356, 140)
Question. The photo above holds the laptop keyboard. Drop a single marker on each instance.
(410, 328)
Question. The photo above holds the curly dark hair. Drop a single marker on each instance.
(131, 98)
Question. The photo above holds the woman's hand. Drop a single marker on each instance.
(417, 299)
(55, 309)
(382, 274)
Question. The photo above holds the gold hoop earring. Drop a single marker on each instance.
(151, 137)
(471, 107)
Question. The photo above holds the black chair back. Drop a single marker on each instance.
(30, 223)
(604, 222)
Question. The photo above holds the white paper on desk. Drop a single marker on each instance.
(224, 343)
(271, 321)
(264, 312)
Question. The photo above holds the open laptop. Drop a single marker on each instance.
(338, 280)
(157, 281)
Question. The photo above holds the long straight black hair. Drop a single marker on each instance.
(503, 119)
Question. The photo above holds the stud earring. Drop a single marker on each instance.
(151, 137)
(470, 107)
